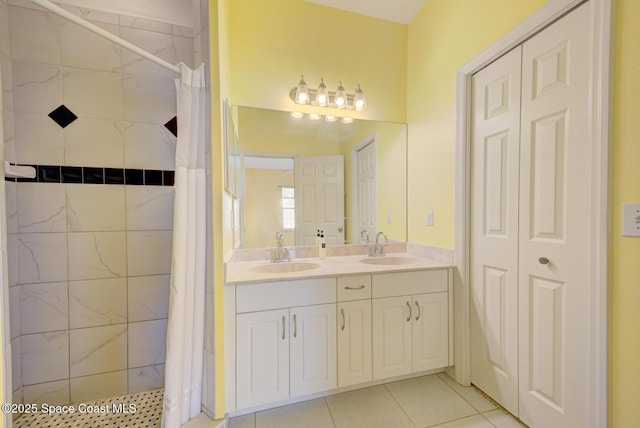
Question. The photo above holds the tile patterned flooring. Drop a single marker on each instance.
(428, 401)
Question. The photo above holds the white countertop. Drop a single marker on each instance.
(243, 272)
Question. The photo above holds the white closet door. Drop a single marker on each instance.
(494, 229)
(367, 203)
(554, 224)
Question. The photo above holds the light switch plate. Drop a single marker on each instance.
(631, 219)
(430, 218)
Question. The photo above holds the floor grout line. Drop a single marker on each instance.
(399, 405)
(333, 421)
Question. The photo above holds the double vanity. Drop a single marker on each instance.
(311, 327)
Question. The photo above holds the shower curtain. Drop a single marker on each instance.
(185, 328)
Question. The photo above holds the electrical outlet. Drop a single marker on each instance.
(388, 218)
(430, 218)
(631, 219)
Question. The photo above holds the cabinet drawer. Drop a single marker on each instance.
(354, 287)
(285, 294)
(406, 283)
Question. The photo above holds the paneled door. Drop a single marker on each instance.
(354, 342)
(494, 229)
(554, 230)
(319, 193)
(391, 324)
(430, 331)
(366, 192)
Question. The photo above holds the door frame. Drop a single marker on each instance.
(600, 124)
(369, 139)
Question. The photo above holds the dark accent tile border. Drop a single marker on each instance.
(96, 175)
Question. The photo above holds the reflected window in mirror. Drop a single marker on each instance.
(288, 208)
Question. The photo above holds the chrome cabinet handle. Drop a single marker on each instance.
(418, 308)
(283, 327)
(409, 317)
(359, 287)
(295, 326)
(543, 260)
(343, 319)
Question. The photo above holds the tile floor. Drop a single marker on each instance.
(428, 401)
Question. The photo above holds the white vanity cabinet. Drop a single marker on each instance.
(410, 321)
(285, 340)
(354, 330)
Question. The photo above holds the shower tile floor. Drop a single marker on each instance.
(147, 415)
(428, 401)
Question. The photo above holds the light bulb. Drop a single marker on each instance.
(296, 114)
(330, 118)
(347, 119)
(341, 97)
(359, 103)
(322, 96)
(302, 93)
(314, 116)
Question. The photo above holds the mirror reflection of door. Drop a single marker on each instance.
(365, 212)
(319, 198)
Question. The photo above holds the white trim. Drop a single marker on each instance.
(602, 60)
(353, 218)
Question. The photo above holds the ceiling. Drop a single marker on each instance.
(401, 11)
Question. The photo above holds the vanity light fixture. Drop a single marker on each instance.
(322, 97)
(330, 118)
(314, 116)
(347, 119)
(297, 114)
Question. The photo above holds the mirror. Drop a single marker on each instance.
(271, 144)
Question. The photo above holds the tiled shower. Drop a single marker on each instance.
(89, 240)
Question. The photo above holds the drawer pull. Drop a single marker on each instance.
(418, 308)
(343, 320)
(295, 326)
(409, 306)
(359, 287)
(283, 327)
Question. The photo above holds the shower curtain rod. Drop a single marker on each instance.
(107, 35)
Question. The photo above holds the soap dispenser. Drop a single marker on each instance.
(322, 249)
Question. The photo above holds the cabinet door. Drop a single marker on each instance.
(354, 342)
(430, 331)
(391, 323)
(312, 338)
(262, 359)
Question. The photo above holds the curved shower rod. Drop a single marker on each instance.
(107, 35)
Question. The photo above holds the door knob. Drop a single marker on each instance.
(543, 260)
(340, 229)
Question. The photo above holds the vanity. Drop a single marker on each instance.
(313, 327)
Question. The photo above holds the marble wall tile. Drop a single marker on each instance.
(5, 46)
(148, 99)
(35, 35)
(97, 302)
(149, 146)
(41, 207)
(45, 357)
(148, 297)
(36, 87)
(14, 311)
(197, 49)
(145, 24)
(149, 253)
(84, 49)
(98, 386)
(149, 207)
(98, 350)
(95, 207)
(43, 257)
(7, 79)
(94, 142)
(52, 393)
(44, 307)
(16, 363)
(92, 15)
(38, 140)
(147, 342)
(9, 136)
(179, 30)
(146, 378)
(13, 257)
(95, 255)
(184, 50)
(158, 44)
(12, 207)
(92, 94)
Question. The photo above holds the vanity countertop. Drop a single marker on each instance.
(251, 271)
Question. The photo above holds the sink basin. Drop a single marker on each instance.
(388, 260)
(285, 267)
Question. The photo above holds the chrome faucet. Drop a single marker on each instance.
(280, 253)
(377, 249)
(364, 236)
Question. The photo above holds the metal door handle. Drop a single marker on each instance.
(543, 260)
(409, 317)
(295, 326)
(359, 287)
(343, 320)
(283, 327)
(340, 229)
(418, 308)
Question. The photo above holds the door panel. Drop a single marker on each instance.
(554, 222)
(430, 331)
(367, 202)
(494, 229)
(391, 324)
(354, 342)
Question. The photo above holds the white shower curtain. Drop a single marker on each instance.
(185, 329)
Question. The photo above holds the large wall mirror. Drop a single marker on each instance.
(297, 175)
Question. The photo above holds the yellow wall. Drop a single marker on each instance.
(274, 42)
